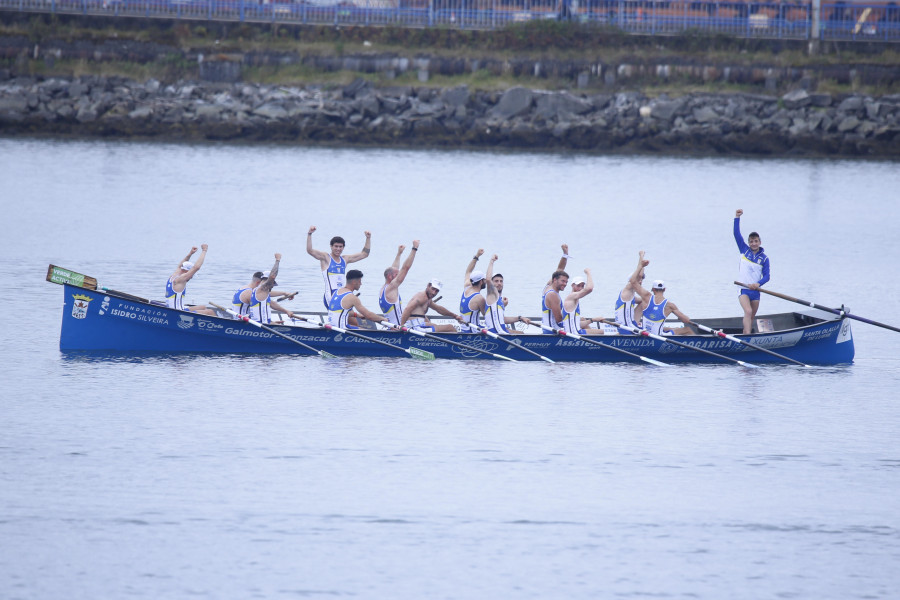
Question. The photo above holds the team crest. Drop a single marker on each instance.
(79, 308)
(185, 322)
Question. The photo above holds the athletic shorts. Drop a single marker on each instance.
(752, 294)
(424, 328)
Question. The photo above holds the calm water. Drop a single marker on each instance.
(293, 477)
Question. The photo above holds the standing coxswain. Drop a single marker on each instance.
(753, 271)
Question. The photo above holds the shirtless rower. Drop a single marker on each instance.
(345, 300)
(471, 303)
(495, 319)
(633, 296)
(389, 299)
(658, 309)
(551, 301)
(333, 264)
(419, 305)
(176, 286)
(257, 301)
(573, 322)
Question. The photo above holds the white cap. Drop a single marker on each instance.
(187, 265)
(476, 276)
(266, 273)
(659, 285)
(436, 284)
(577, 280)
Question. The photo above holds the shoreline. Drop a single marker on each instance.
(798, 123)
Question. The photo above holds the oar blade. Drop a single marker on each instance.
(324, 354)
(654, 362)
(420, 354)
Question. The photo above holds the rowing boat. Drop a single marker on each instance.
(102, 320)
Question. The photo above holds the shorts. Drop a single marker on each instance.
(752, 294)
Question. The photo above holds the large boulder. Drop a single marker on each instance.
(514, 102)
(796, 99)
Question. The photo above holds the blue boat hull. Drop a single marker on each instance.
(101, 321)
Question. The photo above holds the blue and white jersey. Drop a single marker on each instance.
(334, 277)
(337, 314)
(241, 308)
(494, 317)
(548, 323)
(625, 310)
(471, 316)
(655, 316)
(754, 268)
(173, 298)
(392, 311)
(259, 310)
(572, 320)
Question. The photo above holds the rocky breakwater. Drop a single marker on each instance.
(798, 123)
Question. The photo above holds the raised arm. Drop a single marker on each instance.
(741, 244)
(350, 258)
(396, 263)
(491, 288)
(274, 271)
(563, 261)
(471, 267)
(322, 257)
(197, 264)
(407, 264)
(186, 259)
(636, 275)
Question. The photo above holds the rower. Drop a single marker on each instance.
(471, 303)
(176, 286)
(551, 301)
(573, 322)
(495, 319)
(333, 264)
(419, 305)
(389, 298)
(659, 308)
(345, 300)
(258, 298)
(633, 296)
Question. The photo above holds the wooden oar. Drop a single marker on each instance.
(59, 275)
(731, 338)
(841, 312)
(667, 340)
(576, 336)
(414, 352)
(247, 319)
(448, 342)
(491, 334)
